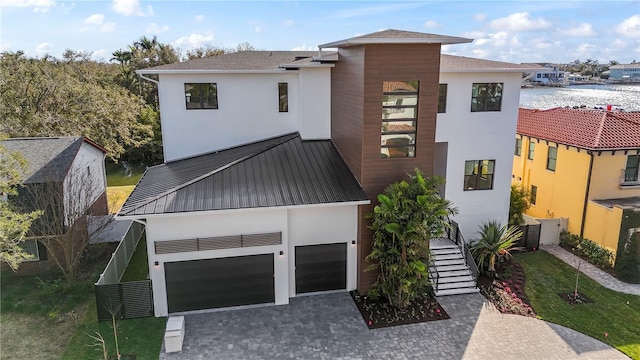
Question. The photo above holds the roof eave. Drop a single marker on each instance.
(211, 71)
(367, 41)
(484, 70)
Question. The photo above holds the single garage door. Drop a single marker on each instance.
(321, 267)
(214, 283)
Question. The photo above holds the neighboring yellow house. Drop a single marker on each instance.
(582, 165)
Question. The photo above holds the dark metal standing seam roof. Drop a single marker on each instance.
(282, 171)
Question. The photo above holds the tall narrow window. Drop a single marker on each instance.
(478, 174)
(486, 97)
(283, 97)
(533, 194)
(532, 148)
(518, 151)
(632, 169)
(399, 118)
(552, 155)
(442, 98)
(201, 95)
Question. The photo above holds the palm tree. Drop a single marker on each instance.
(494, 245)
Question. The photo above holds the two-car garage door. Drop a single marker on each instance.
(245, 280)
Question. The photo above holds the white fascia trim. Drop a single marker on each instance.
(204, 71)
(486, 70)
(307, 65)
(232, 211)
(355, 42)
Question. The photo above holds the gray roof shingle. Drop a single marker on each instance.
(49, 159)
(281, 171)
(397, 37)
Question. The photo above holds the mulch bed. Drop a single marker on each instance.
(572, 300)
(506, 290)
(379, 314)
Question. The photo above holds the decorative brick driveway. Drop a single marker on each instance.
(329, 326)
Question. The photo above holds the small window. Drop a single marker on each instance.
(533, 194)
(486, 97)
(552, 155)
(201, 96)
(478, 174)
(632, 170)
(442, 98)
(30, 246)
(518, 151)
(532, 147)
(283, 97)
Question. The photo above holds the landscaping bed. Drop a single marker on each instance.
(379, 313)
(507, 290)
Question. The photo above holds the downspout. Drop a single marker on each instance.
(148, 78)
(586, 195)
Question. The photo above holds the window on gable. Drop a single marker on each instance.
(283, 97)
(532, 148)
(486, 97)
(478, 174)
(518, 151)
(442, 98)
(533, 194)
(201, 95)
(552, 155)
(399, 118)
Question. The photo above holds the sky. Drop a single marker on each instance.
(515, 31)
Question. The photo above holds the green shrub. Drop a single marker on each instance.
(594, 252)
(628, 261)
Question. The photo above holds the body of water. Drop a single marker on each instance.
(626, 97)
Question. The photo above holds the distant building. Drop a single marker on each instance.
(625, 73)
(547, 74)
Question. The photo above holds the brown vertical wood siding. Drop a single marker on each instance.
(356, 121)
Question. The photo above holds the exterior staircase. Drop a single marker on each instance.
(450, 271)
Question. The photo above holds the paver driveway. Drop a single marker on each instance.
(328, 326)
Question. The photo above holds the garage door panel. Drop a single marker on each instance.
(213, 283)
(321, 267)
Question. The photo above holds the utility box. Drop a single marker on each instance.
(174, 334)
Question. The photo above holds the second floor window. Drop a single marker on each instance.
(533, 194)
(399, 118)
(442, 98)
(552, 155)
(486, 97)
(201, 95)
(632, 170)
(478, 174)
(283, 97)
(518, 151)
(532, 148)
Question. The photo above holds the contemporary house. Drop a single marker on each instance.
(65, 177)
(625, 73)
(546, 74)
(274, 159)
(581, 165)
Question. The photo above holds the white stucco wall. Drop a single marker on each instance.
(85, 181)
(247, 110)
(478, 136)
(301, 226)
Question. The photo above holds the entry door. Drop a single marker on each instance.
(321, 267)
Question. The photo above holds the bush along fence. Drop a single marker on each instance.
(628, 255)
(128, 300)
(592, 251)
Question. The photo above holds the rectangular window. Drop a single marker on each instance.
(283, 97)
(532, 147)
(631, 171)
(30, 246)
(486, 97)
(533, 194)
(442, 98)
(518, 151)
(399, 118)
(552, 155)
(478, 174)
(201, 96)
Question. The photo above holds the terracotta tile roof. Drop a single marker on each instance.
(587, 129)
(400, 127)
(394, 86)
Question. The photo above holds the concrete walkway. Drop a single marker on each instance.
(329, 326)
(592, 271)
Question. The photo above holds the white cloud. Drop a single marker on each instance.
(150, 10)
(430, 24)
(108, 27)
(193, 41)
(520, 22)
(630, 27)
(43, 48)
(156, 29)
(305, 47)
(199, 18)
(94, 19)
(480, 17)
(289, 22)
(476, 34)
(127, 7)
(372, 10)
(99, 55)
(37, 5)
(582, 30)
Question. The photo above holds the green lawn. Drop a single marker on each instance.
(613, 313)
(138, 267)
(116, 174)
